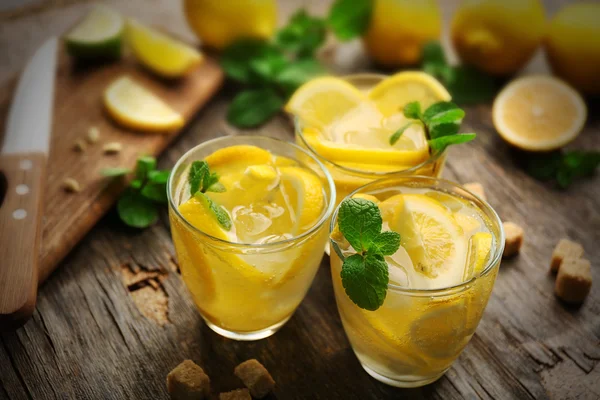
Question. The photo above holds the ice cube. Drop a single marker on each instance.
(398, 264)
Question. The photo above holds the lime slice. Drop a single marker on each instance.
(98, 36)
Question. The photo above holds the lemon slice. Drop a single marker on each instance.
(245, 154)
(393, 93)
(539, 113)
(98, 36)
(479, 253)
(304, 192)
(135, 107)
(321, 101)
(365, 196)
(160, 53)
(432, 238)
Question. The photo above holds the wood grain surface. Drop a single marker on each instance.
(116, 316)
(77, 109)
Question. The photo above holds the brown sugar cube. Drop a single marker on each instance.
(255, 377)
(238, 394)
(513, 239)
(188, 381)
(565, 249)
(476, 188)
(574, 280)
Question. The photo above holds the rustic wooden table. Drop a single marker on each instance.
(116, 316)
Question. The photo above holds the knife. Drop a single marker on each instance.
(23, 159)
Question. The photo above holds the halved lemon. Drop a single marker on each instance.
(321, 101)
(97, 36)
(135, 107)
(160, 53)
(539, 113)
(304, 191)
(393, 93)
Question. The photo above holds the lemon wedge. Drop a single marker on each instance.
(393, 93)
(98, 36)
(321, 101)
(160, 53)
(539, 113)
(135, 107)
(304, 191)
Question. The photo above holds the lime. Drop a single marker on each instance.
(99, 36)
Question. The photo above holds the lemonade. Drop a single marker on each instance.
(249, 241)
(347, 122)
(440, 279)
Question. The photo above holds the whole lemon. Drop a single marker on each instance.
(573, 46)
(399, 29)
(220, 22)
(498, 36)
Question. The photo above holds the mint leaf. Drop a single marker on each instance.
(251, 108)
(350, 18)
(440, 144)
(467, 85)
(436, 109)
(386, 244)
(218, 211)
(582, 163)
(237, 59)
(451, 116)
(440, 130)
(360, 222)
(396, 136)
(412, 110)
(365, 280)
(210, 179)
(198, 170)
(136, 210)
(296, 74)
(268, 65)
(143, 166)
(302, 35)
(433, 54)
(159, 176)
(563, 167)
(115, 172)
(155, 192)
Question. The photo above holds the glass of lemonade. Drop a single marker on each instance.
(440, 279)
(248, 280)
(355, 145)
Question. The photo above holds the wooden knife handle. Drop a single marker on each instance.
(20, 232)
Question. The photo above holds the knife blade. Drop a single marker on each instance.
(23, 159)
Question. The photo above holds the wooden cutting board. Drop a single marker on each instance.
(77, 107)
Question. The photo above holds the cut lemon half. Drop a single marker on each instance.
(539, 113)
(321, 101)
(393, 93)
(304, 192)
(98, 36)
(135, 107)
(160, 53)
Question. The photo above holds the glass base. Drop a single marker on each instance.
(406, 381)
(247, 336)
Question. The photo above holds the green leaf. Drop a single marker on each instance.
(386, 244)
(440, 144)
(469, 86)
(159, 176)
(136, 184)
(198, 170)
(296, 74)
(115, 172)
(251, 108)
(451, 116)
(582, 163)
(144, 165)
(350, 18)
(239, 59)
(218, 211)
(365, 280)
(433, 54)
(396, 136)
(438, 108)
(135, 210)
(360, 222)
(216, 187)
(412, 110)
(440, 130)
(155, 192)
(303, 34)
(209, 179)
(267, 66)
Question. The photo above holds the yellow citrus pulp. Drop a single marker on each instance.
(269, 199)
(445, 240)
(498, 36)
(573, 45)
(398, 30)
(218, 23)
(351, 128)
(539, 113)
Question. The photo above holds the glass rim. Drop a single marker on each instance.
(353, 171)
(435, 182)
(324, 216)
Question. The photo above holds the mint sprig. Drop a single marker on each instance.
(202, 180)
(563, 167)
(139, 204)
(350, 18)
(441, 122)
(365, 274)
